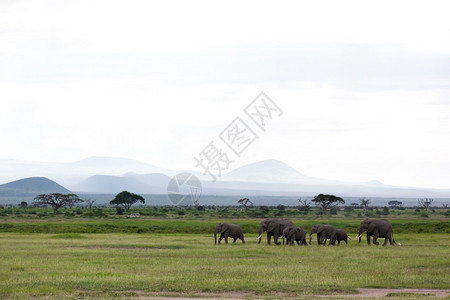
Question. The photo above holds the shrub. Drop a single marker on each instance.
(333, 211)
(348, 209)
(119, 210)
(424, 215)
(97, 212)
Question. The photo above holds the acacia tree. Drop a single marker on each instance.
(304, 205)
(73, 199)
(327, 201)
(55, 200)
(364, 202)
(425, 203)
(247, 203)
(89, 202)
(395, 204)
(127, 199)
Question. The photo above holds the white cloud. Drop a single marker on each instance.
(364, 87)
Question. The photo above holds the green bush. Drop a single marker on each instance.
(96, 212)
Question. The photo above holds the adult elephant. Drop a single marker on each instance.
(228, 230)
(274, 227)
(324, 232)
(376, 229)
(296, 234)
(340, 235)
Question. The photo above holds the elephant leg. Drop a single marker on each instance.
(221, 238)
(242, 239)
(275, 239)
(339, 242)
(269, 237)
(331, 242)
(234, 240)
(375, 238)
(368, 239)
(226, 238)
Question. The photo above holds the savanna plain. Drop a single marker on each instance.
(152, 257)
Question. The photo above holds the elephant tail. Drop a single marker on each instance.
(393, 240)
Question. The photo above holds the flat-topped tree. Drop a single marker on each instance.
(364, 203)
(127, 199)
(247, 203)
(327, 201)
(56, 200)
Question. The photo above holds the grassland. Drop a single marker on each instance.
(66, 258)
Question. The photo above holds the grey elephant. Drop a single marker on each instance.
(324, 232)
(296, 234)
(340, 235)
(274, 227)
(377, 229)
(228, 230)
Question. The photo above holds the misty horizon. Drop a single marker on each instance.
(357, 101)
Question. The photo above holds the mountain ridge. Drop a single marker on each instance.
(114, 174)
(31, 186)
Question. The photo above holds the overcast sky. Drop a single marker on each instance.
(364, 86)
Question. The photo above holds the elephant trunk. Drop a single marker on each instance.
(215, 236)
(310, 234)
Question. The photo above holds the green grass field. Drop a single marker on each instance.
(70, 264)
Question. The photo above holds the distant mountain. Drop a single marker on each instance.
(31, 187)
(110, 175)
(69, 174)
(141, 184)
(116, 166)
(155, 179)
(265, 171)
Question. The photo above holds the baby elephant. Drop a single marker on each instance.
(340, 235)
(228, 230)
(296, 234)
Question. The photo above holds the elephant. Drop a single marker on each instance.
(340, 235)
(296, 234)
(324, 232)
(274, 227)
(376, 229)
(228, 230)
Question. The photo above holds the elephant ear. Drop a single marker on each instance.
(223, 229)
(371, 227)
(272, 226)
(319, 230)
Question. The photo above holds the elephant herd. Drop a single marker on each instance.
(290, 233)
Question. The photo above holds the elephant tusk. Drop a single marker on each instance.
(358, 236)
(259, 236)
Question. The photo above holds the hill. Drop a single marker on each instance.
(31, 187)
